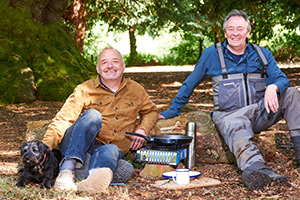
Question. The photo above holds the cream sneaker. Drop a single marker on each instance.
(65, 180)
(97, 182)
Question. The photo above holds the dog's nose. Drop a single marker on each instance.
(26, 158)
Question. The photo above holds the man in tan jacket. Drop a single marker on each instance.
(94, 120)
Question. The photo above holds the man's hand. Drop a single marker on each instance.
(160, 117)
(271, 99)
(136, 141)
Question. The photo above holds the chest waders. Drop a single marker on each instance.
(234, 91)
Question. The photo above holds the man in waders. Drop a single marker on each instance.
(250, 94)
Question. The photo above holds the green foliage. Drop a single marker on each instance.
(47, 50)
(123, 14)
(187, 52)
(205, 18)
(135, 164)
(197, 19)
(285, 46)
(136, 17)
(141, 59)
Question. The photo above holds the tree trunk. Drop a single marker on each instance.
(200, 47)
(51, 11)
(54, 11)
(43, 11)
(132, 40)
(217, 36)
(76, 15)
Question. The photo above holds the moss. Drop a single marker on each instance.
(47, 50)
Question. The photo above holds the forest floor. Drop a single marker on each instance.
(162, 87)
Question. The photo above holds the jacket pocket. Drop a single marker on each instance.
(231, 94)
(130, 108)
(257, 87)
(100, 105)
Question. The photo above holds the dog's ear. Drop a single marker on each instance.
(23, 145)
(42, 147)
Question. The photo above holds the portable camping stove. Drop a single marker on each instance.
(168, 154)
(169, 149)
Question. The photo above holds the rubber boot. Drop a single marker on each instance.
(260, 178)
(296, 141)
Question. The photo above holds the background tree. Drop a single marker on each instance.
(76, 15)
(43, 11)
(205, 18)
(38, 59)
(134, 16)
(266, 14)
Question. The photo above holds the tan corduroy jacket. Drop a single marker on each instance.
(119, 112)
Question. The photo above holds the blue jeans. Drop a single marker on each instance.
(79, 139)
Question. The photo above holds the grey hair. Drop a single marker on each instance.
(236, 12)
(106, 48)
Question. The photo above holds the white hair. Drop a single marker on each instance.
(106, 48)
(236, 12)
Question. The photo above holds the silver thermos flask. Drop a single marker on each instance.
(191, 155)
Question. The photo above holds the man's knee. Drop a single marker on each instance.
(233, 126)
(110, 150)
(292, 92)
(240, 144)
(93, 115)
(232, 130)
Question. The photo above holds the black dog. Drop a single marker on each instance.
(40, 164)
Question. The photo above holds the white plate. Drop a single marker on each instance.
(193, 174)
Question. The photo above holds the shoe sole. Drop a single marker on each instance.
(279, 180)
(62, 184)
(257, 180)
(97, 182)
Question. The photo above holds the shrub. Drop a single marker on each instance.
(285, 46)
(141, 59)
(187, 52)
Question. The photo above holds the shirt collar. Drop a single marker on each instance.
(103, 83)
(98, 82)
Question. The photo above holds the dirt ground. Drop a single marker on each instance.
(162, 87)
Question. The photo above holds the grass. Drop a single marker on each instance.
(8, 190)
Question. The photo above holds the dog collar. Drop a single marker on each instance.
(42, 160)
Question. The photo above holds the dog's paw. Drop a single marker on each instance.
(48, 184)
(18, 184)
(22, 181)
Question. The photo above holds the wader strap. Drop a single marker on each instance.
(262, 58)
(222, 60)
